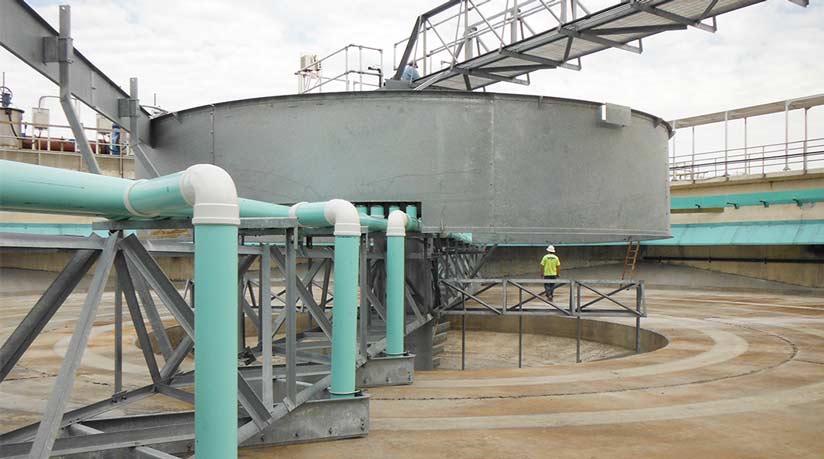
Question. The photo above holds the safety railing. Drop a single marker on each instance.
(799, 155)
(475, 27)
(51, 145)
(311, 79)
(576, 299)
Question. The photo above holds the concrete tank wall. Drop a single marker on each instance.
(507, 168)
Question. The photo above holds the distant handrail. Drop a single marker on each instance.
(772, 157)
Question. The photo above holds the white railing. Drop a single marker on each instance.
(53, 145)
(476, 27)
(351, 60)
(59, 138)
(800, 155)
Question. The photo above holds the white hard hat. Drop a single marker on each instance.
(551, 249)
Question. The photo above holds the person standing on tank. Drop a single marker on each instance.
(551, 267)
(410, 73)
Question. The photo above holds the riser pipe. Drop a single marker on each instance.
(395, 281)
(347, 223)
(208, 194)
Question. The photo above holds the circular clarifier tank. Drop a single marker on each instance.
(506, 168)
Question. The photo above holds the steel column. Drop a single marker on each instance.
(59, 399)
(48, 304)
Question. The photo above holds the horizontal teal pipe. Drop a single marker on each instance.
(345, 313)
(748, 199)
(31, 188)
(249, 208)
(395, 289)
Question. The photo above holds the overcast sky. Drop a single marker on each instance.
(195, 52)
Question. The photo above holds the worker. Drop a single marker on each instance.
(410, 73)
(115, 149)
(551, 266)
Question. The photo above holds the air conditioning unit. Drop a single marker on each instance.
(40, 118)
(309, 63)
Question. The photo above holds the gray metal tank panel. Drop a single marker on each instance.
(507, 168)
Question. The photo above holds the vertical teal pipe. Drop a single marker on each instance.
(393, 208)
(412, 212)
(395, 288)
(216, 326)
(345, 312)
(376, 211)
(362, 210)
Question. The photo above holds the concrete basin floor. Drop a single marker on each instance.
(743, 376)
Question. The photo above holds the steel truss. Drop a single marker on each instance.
(492, 55)
(282, 386)
(282, 376)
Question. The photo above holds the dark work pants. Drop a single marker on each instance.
(549, 288)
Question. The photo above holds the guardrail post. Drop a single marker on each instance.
(639, 300)
(463, 333)
(520, 327)
(578, 324)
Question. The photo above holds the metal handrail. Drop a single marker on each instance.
(786, 156)
(576, 310)
(487, 24)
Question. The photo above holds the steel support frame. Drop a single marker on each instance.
(137, 272)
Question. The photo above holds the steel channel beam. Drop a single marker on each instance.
(59, 399)
(140, 451)
(290, 273)
(137, 318)
(22, 31)
(315, 310)
(158, 329)
(161, 284)
(45, 308)
(266, 332)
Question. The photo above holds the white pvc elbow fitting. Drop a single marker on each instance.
(344, 216)
(396, 223)
(211, 192)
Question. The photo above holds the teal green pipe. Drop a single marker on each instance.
(395, 288)
(216, 324)
(412, 212)
(373, 223)
(31, 188)
(376, 211)
(394, 208)
(344, 325)
(159, 196)
(362, 210)
(312, 214)
(249, 208)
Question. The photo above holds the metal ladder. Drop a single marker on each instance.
(631, 259)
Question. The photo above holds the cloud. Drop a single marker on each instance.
(195, 52)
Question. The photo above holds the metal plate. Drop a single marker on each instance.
(507, 168)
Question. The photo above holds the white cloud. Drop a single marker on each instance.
(194, 52)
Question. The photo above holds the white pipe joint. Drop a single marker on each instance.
(344, 216)
(211, 192)
(293, 211)
(396, 223)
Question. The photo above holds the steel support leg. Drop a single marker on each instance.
(290, 272)
(265, 293)
(47, 431)
(45, 308)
